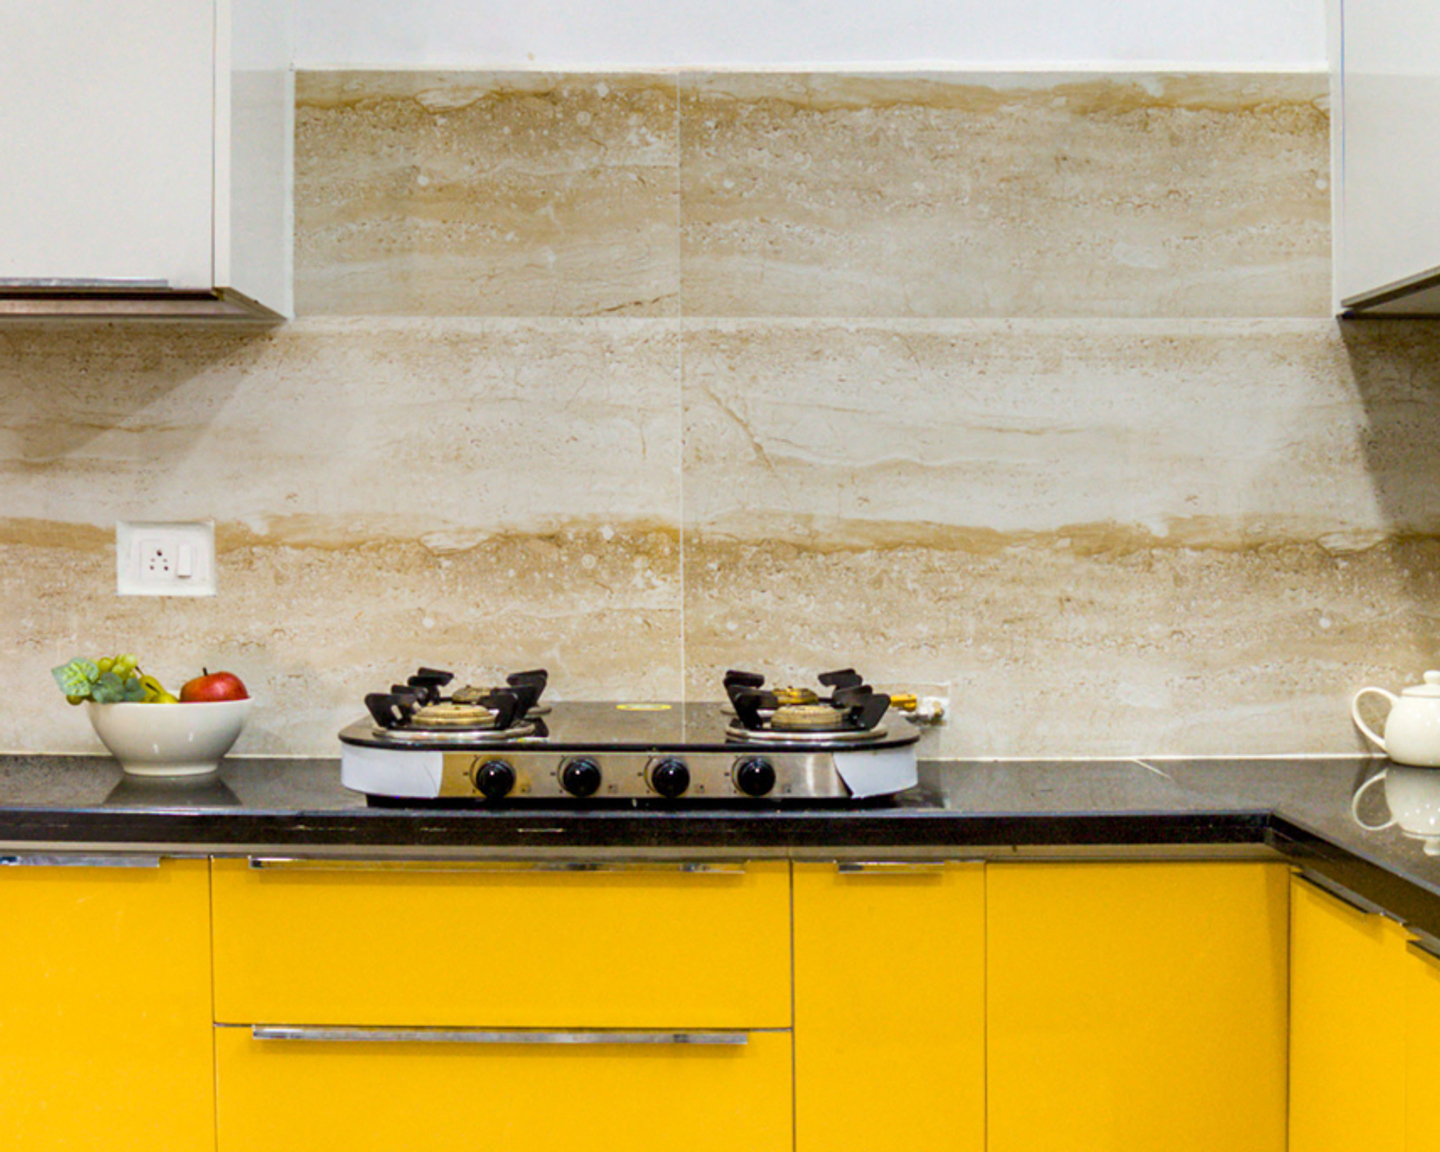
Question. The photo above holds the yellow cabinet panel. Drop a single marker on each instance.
(105, 1033)
(501, 948)
(431, 1097)
(1137, 1007)
(1422, 1053)
(889, 1009)
(1347, 1026)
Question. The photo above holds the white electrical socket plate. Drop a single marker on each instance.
(164, 559)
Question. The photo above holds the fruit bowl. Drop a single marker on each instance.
(169, 739)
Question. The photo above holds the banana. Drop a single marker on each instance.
(155, 691)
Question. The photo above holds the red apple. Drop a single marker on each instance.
(213, 686)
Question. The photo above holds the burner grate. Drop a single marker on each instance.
(852, 708)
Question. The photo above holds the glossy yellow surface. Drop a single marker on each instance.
(1347, 1026)
(1137, 1007)
(498, 948)
(371, 1097)
(1422, 1052)
(105, 1033)
(889, 1010)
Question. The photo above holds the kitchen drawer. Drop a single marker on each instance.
(502, 946)
(437, 1097)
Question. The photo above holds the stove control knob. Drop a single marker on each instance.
(754, 776)
(670, 777)
(581, 777)
(495, 779)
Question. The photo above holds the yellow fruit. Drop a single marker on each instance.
(165, 698)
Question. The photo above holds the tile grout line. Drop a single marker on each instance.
(680, 372)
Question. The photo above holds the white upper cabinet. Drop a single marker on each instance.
(147, 153)
(1388, 156)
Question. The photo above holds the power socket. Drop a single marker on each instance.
(158, 559)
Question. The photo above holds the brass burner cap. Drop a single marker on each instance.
(807, 717)
(450, 715)
(789, 697)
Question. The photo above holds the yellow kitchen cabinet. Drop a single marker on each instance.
(1422, 1052)
(889, 1008)
(377, 1096)
(1347, 1026)
(1139, 1007)
(497, 946)
(106, 1039)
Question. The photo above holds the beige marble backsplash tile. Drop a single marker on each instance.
(486, 194)
(1132, 537)
(1102, 434)
(978, 194)
(1047, 651)
(477, 493)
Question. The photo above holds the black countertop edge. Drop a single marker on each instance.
(635, 830)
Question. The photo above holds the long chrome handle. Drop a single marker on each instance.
(889, 867)
(322, 864)
(470, 1036)
(78, 860)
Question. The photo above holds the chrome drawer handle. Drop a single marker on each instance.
(488, 867)
(468, 1036)
(78, 860)
(889, 867)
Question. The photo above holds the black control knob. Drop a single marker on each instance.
(581, 777)
(670, 777)
(755, 776)
(495, 779)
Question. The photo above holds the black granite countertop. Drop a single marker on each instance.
(1299, 808)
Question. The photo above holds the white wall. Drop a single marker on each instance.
(1244, 34)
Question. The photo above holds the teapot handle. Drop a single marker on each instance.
(1359, 723)
(1355, 803)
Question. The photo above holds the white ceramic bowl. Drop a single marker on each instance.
(169, 739)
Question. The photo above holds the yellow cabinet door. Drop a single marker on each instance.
(105, 1033)
(378, 1096)
(890, 1009)
(497, 947)
(1422, 1050)
(1137, 1007)
(1347, 1026)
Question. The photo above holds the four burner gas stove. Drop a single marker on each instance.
(424, 741)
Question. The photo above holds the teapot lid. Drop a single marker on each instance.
(1430, 688)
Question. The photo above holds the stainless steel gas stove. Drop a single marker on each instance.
(424, 741)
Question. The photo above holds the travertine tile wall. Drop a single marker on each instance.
(1019, 385)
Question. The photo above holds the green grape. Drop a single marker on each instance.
(105, 663)
(124, 665)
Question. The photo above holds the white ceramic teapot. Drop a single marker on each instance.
(1412, 729)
